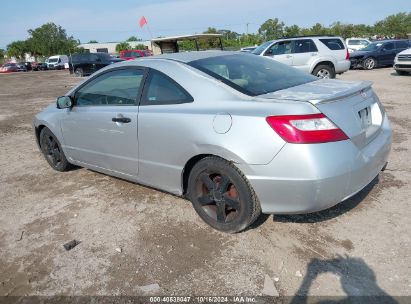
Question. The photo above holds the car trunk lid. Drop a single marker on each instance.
(352, 106)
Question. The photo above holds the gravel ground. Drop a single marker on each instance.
(138, 241)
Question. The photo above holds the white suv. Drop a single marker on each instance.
(323, 56)
(356, 44)
(402, 62)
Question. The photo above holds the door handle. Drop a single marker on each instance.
(288, 56)
(121, 119)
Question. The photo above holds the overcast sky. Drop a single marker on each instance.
(117, 20)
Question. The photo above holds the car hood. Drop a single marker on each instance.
(359, 54)
(405, 52)
(319, 90)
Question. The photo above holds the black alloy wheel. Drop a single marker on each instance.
(222, 196)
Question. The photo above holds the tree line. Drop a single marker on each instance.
(393, 26)
(51, 39)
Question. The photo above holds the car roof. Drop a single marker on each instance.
(388, 40)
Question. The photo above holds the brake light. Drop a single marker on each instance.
(347, 55)
(306, 129)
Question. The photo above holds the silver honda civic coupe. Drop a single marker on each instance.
(236, 134)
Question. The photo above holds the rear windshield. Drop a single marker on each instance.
(333, 43)
(250, 74)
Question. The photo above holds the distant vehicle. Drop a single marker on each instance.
(378, 54)
(322, 56)
(248, 49)
(9, 67)
(42, 66)
(57, 62)
(355, 44)
(27, 64)
(21, 67)
(87, 63)
(131, 54)
(402, 62)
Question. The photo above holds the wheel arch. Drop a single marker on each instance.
(37, 131)
(187, 169)
(322, 62)
(194, 160)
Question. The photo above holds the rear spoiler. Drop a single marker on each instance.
(362, 86)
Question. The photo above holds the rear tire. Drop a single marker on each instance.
(79, 72)
(324, 71)
(222, 196)
(369, 63)
(52, 151)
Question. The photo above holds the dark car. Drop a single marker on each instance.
(87, 63)
(378, 54)
(21, 67)
(42, 66)
(27, 65)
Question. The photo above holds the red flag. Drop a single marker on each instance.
(142, 21)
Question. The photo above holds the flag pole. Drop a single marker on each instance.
(149, 30)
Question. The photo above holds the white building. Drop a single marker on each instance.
(110, 47)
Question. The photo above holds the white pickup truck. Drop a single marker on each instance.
(402, 62)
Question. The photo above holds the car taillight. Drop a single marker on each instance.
(306, 129)
(347, 55)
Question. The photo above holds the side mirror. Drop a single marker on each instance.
(64, 102)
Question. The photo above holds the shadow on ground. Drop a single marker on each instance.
(357, 280)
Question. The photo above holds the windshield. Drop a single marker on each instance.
(372, 46)
(252, 75)
(258, 50)
(53, 60)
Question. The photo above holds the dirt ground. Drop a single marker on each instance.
(139, 241)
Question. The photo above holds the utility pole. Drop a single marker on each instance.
(247, 27)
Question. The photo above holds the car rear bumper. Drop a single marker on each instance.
(342, 66)
(309, 178)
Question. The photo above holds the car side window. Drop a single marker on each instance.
(304, 46)
(279, 48)
(161, 89)
(401, 44)
(119, 87)
(93, 57)
(389, 46)
(333, 43)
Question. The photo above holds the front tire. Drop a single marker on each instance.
(52, 151)
(369, 63)
(79, 72)
(324, 71)
(222, 196)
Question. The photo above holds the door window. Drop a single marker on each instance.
(402, 44)
(279, 48)
(161, 89)
(389, 46)
(119, 87)
(304, 46)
